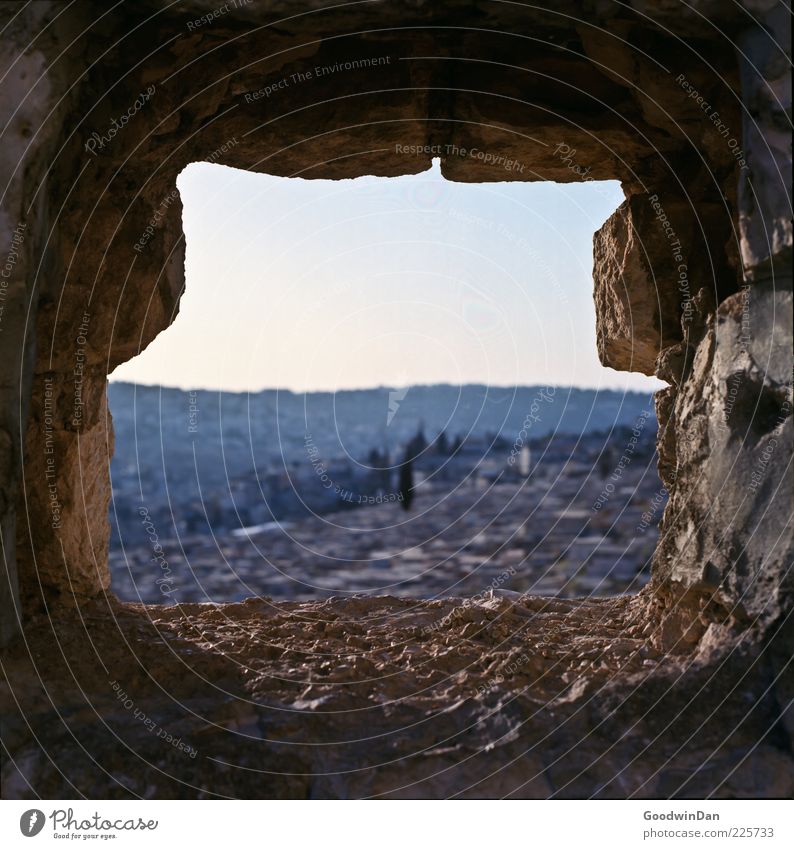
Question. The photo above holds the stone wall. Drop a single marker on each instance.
(106, 107)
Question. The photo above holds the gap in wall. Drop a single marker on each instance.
(345, 347)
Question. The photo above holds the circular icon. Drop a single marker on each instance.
(31, 822)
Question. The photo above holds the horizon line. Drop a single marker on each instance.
(386, 386)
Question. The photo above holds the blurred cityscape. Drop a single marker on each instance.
(222, 496)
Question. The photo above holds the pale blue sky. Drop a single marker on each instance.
(320, 284)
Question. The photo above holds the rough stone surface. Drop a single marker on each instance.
(67, 444)
(638, 302)
(501, 698)
(765, 219)
(730, 507)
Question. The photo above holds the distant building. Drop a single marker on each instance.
(523, 461)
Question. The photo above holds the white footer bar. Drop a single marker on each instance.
(399, 824)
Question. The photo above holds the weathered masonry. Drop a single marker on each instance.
(688, 105)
